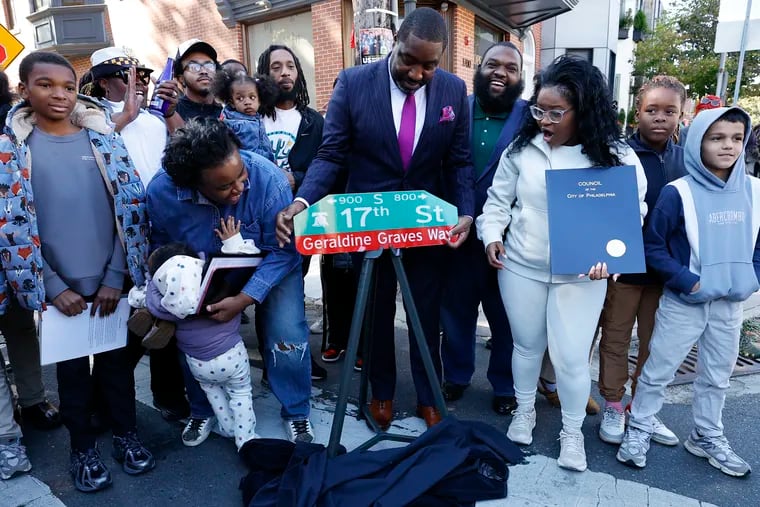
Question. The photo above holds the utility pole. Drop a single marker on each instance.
(741, 53)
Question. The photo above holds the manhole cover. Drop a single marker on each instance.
(687, 372)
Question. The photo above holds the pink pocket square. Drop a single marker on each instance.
(447, 115)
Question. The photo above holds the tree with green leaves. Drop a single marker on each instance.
(681, 45)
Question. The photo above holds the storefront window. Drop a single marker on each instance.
(485, 37)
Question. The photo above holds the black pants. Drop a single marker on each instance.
(339, 282)
(424, 270)
(166, 380)
(113, 376)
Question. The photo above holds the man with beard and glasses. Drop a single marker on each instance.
(399, 124)
(497, 111)
(294, 129)
(195, 67)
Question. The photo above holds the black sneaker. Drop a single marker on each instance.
(317, 372)
(173, 411)
(132, 454)
(88, 471)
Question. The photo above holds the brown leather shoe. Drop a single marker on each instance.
(429, 414)
(382, 412)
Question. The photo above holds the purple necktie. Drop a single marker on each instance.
(406, 130)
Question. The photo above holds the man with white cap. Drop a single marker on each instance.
(195, 66)
(121, 82)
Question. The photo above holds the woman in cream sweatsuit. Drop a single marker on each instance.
(573, 126)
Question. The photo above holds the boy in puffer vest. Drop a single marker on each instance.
(73, 234)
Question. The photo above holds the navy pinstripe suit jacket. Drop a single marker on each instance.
(360, 140)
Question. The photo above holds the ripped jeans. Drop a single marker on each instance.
(287, 355)
(286, 345)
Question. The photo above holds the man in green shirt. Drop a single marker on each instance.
(497, 113)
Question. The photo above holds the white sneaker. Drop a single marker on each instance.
(612, 428)
(662, 434)
(572, 454)
(521, 428)
(299, 430)
(197, 430)
(316, 327)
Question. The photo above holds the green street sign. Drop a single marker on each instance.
(370, 221)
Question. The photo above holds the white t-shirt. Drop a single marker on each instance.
(145, 139)
(282, 134)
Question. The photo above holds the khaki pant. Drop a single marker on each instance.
(624, 305)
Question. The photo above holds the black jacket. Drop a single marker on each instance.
(454, 463)
(307, 143)
(660, 169)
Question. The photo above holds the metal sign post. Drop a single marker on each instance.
(373, 223)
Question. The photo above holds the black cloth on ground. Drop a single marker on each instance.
(454, 463)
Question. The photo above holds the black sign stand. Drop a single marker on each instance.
(368, 273)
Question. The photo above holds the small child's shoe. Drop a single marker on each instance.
(131, 453)
(159, 335)
(13, 458)
(140, 322)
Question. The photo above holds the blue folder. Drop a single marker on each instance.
(594, 217)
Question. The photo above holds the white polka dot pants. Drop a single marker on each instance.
(226, 379)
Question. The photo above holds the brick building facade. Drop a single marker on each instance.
(320, 33)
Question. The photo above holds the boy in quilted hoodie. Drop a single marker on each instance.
(72, 235)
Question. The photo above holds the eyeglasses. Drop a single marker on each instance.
(196, 67)
(712, 102)
(554, 115)
(143, 75)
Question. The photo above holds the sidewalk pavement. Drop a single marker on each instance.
(538, 482)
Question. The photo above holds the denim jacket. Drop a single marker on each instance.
(185, 215)
(250, 130)
(20, 253)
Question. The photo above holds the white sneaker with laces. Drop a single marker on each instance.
(662, 434)
(572, 454)
(612, 428)
(299, 430)
(197, 430)
(521, 428)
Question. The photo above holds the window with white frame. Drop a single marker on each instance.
(529, 63)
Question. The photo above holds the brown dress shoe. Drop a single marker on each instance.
(382, 412)
(429, 414)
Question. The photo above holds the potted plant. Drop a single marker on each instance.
(624, 25)
(640, 26)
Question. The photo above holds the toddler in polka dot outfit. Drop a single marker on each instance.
(215, 351)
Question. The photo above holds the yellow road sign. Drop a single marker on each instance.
(10, 47)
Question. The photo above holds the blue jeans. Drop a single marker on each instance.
(287, 355)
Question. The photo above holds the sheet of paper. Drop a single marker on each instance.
(63, 338)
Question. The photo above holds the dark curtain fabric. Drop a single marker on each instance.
(455, 463)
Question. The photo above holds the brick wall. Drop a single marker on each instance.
(173, 21)
(463, 55)
(326, 24)
(537, 37)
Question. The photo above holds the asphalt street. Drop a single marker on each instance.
(208, 475)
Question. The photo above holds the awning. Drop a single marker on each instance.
(518, 14)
